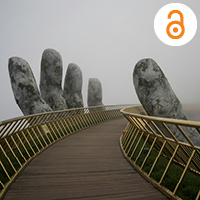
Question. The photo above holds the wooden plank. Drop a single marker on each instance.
(87, 165)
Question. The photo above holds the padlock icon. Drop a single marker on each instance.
(175, 29)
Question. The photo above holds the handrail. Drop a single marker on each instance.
(23, 138)
(152, 148)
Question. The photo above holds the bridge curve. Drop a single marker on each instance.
(150, 144)
(86, 165)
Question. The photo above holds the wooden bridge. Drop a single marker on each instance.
(42, 159)
(86, 165)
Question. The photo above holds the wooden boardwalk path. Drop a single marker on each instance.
(87, 165)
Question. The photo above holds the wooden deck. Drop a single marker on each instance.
(87, 165)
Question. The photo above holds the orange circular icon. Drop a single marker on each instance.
(175, 29)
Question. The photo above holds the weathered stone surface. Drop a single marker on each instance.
(51, 79)
(73, 86)
(24, 87)
(158, 98)
(94, 92)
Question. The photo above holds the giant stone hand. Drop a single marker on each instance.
(51, 79)
(158, 98)
(73, 86)
(24, 87)
(94, 92)
(26, 92)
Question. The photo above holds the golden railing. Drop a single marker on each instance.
(164, 161)
(23, 138)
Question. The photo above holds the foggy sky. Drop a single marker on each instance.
(105, 38)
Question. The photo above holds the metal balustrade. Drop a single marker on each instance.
(23, 138)
(163, 160)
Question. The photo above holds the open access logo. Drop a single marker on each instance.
(175, 24)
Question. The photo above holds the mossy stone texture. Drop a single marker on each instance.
(24, 87)
(158, 98)
(73, 86)
(51, 79)
(94, 92)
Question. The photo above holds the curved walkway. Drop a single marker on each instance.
(87, 165)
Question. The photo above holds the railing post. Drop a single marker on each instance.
(183, 155)
(25, 137)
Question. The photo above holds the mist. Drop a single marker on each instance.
(105, 38)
